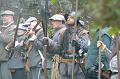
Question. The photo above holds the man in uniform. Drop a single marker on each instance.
(77, 38)
(34, 56)
(62, 43)
(58, 26)
(26, 59)
(113, 56)
(6, 36)
(93, 53)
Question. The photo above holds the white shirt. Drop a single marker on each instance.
(113, 64)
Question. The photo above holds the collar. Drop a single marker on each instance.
(8, 24)
(60, 27)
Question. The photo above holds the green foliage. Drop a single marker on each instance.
(53, 2)
(114, 30)
(50, 31)
(117, 11)
(103, 11)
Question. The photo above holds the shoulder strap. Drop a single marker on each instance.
(62, 31)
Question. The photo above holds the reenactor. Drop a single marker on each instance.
(61, 45)
(33, 57)
(53, 44)
(6, 36)
(15, 63)
(73, 36)
(26, 60)
(112, 55)
(93, 54)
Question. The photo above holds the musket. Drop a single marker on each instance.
(99, 57)
(117, 42)
(15, 36)
(45, 35)
(45, 50)
(84, 72)
(74, 37)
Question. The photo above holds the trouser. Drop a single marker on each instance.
(34, 72)
(48, 74)
(18, 73)
(106, 61)
(92, 75)
(4, 72)
(66, 71)
(114, 76)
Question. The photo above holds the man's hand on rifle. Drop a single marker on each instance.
(32, 35)
(9, 46)
(45, 40)
(31, 32)
(32, 38)
(101, 45)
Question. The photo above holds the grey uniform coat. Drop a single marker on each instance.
(62, 43)
(5, 37)
(34, 56)
(93, 53)
(16, 61)
(54, 45)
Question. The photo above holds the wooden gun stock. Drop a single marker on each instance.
(26, 59)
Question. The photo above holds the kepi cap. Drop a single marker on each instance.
(30, 20)
(7, 12)
(57, 17)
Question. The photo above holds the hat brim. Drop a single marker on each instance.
(7, 14)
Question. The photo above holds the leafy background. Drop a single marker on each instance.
(101, 11)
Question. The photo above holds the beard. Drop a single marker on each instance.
(71, 24)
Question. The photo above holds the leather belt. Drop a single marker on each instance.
(68, 60)
(60, 59)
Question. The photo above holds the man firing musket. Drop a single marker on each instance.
(24, 59)
(32, 56)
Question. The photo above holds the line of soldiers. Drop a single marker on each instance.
(65, 50)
